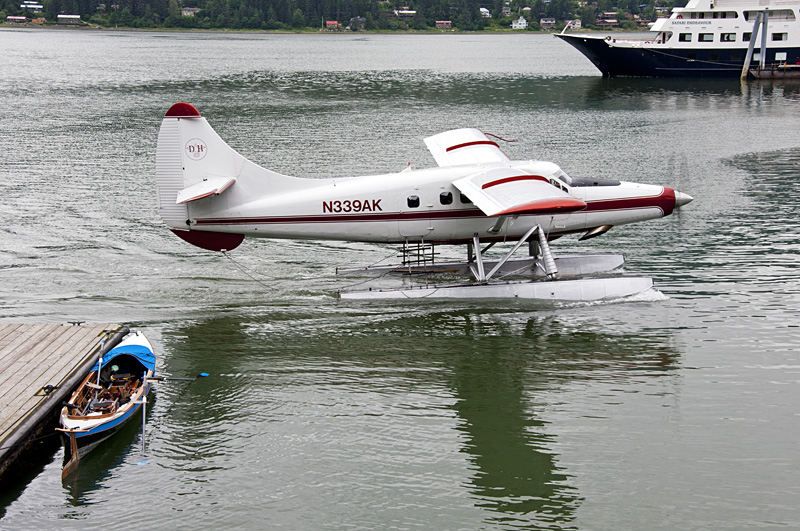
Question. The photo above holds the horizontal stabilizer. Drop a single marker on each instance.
(507, 191)
(206, 187)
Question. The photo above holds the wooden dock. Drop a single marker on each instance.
(40, 365)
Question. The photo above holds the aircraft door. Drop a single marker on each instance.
(415, 220)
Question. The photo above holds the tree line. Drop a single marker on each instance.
(355, 15)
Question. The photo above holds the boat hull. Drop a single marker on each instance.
(88, 438)
(109, 396)
(657, 60)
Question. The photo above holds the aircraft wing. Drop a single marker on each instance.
(509, 191)
(464, 146)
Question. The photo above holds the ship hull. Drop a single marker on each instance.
(659, 61)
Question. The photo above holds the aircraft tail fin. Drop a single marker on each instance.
(198, 173)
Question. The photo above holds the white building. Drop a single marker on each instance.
(520, 23)
(69, 19)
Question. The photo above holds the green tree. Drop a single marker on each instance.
(419, 21)
(588, 16)
(298, 20)
(126, 17)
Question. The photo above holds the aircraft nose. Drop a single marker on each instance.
(682, 199)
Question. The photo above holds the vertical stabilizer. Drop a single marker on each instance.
(169, 175)
(199, 174)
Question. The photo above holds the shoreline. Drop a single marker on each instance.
(309, 31)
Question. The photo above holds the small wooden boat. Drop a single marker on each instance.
(107, 398)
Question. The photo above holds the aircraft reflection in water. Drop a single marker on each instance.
(516, 474)
(494, 369)
(212, 197)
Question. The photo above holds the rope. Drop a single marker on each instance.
(28, 441)
(247, 271)
(686, 59)
(499, 137)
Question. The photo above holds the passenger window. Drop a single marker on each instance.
(465, 199)
(413, 201)
(746, 36)
(685, 37)
(780, 36)
(728, 37)
(706, 37)
(446, 198)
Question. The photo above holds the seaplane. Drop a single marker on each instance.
(212, 197)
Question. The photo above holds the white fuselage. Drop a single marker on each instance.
(411, 206)
(207, 192)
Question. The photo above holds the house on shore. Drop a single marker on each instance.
(69, 19)
(519, 24)
(547, 23)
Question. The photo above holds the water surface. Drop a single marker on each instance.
(671, 411)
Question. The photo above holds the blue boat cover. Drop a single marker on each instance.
(140, 352)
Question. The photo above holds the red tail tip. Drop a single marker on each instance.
(183, 110)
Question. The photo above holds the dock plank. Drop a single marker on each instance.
(33, 356)
(24, 341)
(8, 332)
(52, 366)
(47, 360)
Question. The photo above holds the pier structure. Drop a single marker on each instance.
(40, 365)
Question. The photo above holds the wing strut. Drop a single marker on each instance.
(548, 261)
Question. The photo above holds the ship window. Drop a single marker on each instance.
(773, 15)
(413, 201)
(685, 37)
(782, 15)
(780, 56)
(706, 37)
(464, 199)
(779, 36)
(728, 37)
(746, 36)
(446, 198)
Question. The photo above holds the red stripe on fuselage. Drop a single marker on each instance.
(664, 201)
(348, 218)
